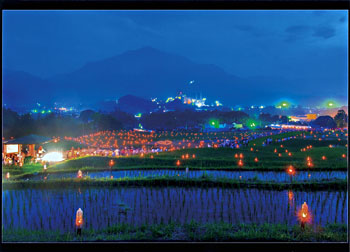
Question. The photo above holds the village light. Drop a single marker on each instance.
(79, 221)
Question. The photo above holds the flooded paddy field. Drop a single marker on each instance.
(55, 209)
(270, 176)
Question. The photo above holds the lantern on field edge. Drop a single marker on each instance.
(80, 174)
(291, 172)
(178, 163)
(79, 220)
(304, 215)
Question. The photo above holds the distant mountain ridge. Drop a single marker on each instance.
(146, 73)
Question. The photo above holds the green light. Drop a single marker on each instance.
(43, 112)
(138, 115)
(49, 111)
(251, 124)
(283, 104)
(35, 111)
(140, 126)
(214, 123)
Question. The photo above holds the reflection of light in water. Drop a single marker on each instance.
(53, 157)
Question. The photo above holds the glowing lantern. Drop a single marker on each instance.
(111, 163)
(8, 175)
(251, 149)
(256, 159)
(324, 158)
(111, 176)
(183, 156)
(236, 155)
(290, 195)
(152, 156)
(79, 220)
(80, 174)
(291, 172)
(193, 156)
(308, 158)
(240, 177)
(241, 155)
(187, 156)
(286, 151)
(304, 215)
(279, 154)
(275, 151)
(281, 146)
(178, 163)
(344, 156)
(290, 154)
(240, 163)
(309, 164)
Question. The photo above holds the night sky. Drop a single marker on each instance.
(302, 47)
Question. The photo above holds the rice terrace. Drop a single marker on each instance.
(175, 126)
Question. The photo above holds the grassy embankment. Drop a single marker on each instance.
(192, 231)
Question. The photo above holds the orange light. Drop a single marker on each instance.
(7, 175)
(241, 155)
(111, 163)
(304, 214)
(251, 149)
(324, 158)
(279, 154)
(291, 170)
(290, 195)
(344, 156)
(80, 174)
(240, 163)
(236, 155)
(290, 154)
(193, 156)
(256, 159)
(178, 163)
(79, 218)
(275, 151)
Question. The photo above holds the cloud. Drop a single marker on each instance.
(249, 29)
(300, 29)
(325, 32)
(342, 19)
(296, 32)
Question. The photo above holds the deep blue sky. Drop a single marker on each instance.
(307, 47)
